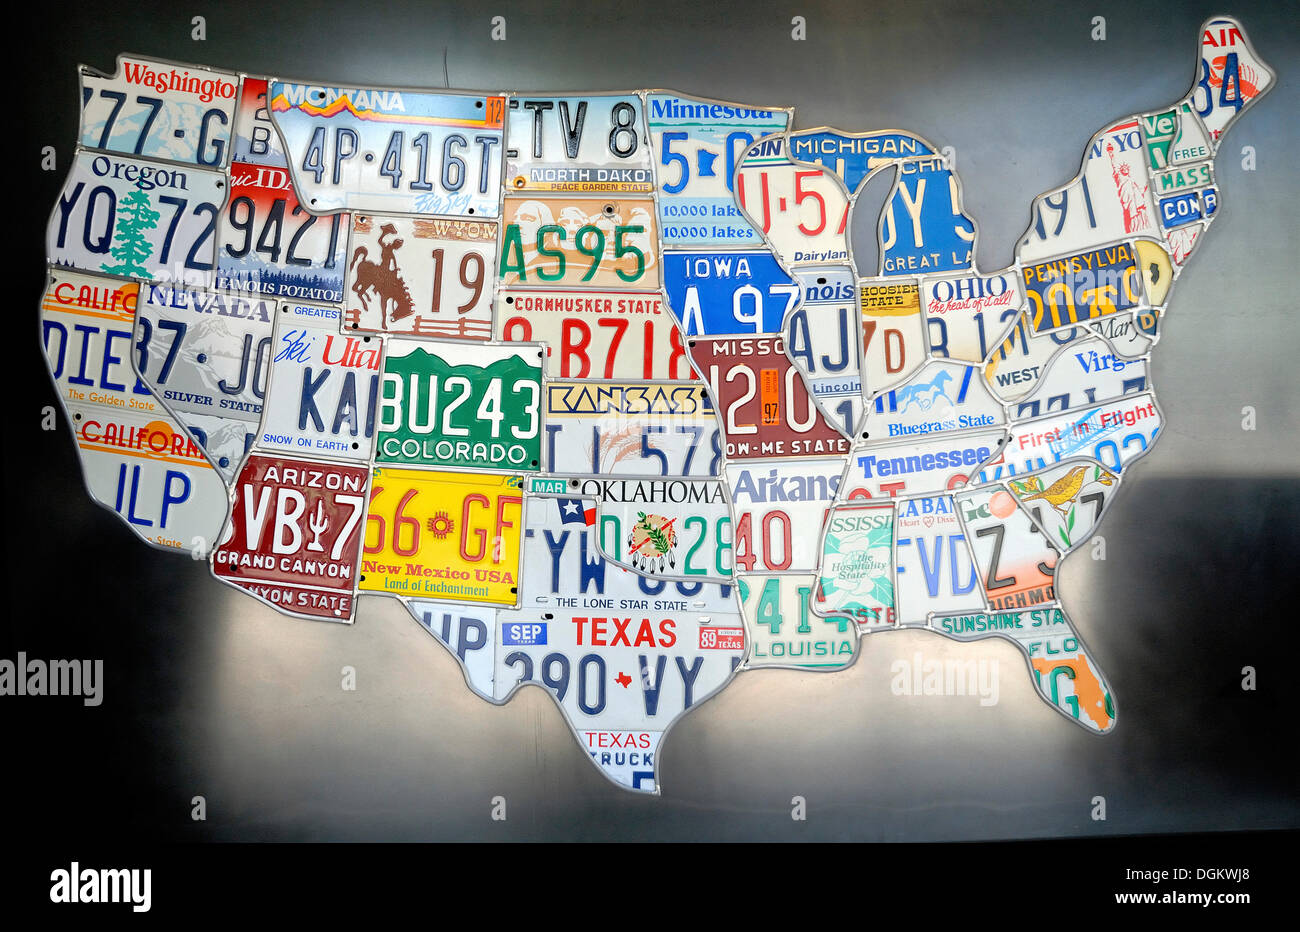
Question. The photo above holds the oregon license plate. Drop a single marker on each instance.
(578, 144)
(441, 535)
(572, 241)
(390, 151)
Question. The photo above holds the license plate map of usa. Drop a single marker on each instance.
(595, 385)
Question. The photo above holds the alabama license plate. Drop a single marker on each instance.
(390, 151)
(578, 144)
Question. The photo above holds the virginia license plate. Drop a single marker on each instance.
(578, 144)
(389, 151)
(568, 242)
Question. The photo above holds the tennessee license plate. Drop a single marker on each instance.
(389, 151)
(571, 241)
(578, 144)
(440, 535)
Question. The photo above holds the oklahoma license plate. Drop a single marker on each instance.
(578, 144)
(372, 149)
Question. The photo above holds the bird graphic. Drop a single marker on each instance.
(1061, 492)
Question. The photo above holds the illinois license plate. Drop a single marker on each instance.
(443, 535)
(160, 111)
(596, 334)
(132, 218)
(571, 241)
(428, 277)
(578, 144)
(389, 151)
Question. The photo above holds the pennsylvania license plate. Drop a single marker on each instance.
(578, 144)
(390, 151)
(443, 535)
(571, 241)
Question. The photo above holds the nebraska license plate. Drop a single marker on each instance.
(391, 151)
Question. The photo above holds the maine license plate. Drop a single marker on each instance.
(573, 241)
(442, 535)
(580, 144)
(371, 149)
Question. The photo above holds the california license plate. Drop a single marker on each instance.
(578, 144)
(390, 151)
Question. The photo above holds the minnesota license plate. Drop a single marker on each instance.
(578, 144)
(578, 242)
(390, 151)
(440, 535)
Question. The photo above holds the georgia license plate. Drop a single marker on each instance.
(443, 535)
(578, 144)
(389, 151)
(571, 241)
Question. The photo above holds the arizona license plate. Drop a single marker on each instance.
(389, 151)
(443, 535)
(568, 242)
(578, 144)
(131, 218)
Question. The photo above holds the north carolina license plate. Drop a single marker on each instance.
(443, 535)
(578, 144)
(389, 151)
(572, 241)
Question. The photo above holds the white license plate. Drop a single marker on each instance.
(578, 144)
(780, 510)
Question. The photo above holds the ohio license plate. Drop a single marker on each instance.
(578, 144)
(388, 151)
(568, 242)
(443, 535)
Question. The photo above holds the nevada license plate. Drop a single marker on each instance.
(391, 151)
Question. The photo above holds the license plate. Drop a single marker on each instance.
(1229, 77)
(667, 528)
(941, 397)
(853, 156)
(718, 293)
(855, 576)
(159, 110)
(596, 334)
(256, 140)
(1017, 565)
(270, 245)
(780, 511)
(469, 632)
(924, 228)
(631, 429)
(323, 386)
(802, 211)
(134, 219)
(388, 151)
(578, 144)
(1075, 289)
(443, 536)
(823, 341)
(968, 314)
(226, 441)
(461, 405)
(917, 467)
(568, 242)
(564, 547)
(784, 632)
(1180, 209)
(425, 277)
(893, 332)
(765, 409)
(1086, 375)
(294, 534)
(152, 473)
(697, 144)
(1066, 501)
(935, 571)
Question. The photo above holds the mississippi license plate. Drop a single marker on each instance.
(578, 144)
(130, 218)
(596, 334)
(578, 242)
(428, 277)
(389, 151)
(443, 535)
(160, 111)
(719, 293)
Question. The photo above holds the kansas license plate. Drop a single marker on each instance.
(389, 151)
(443, 535)
(579, 242)
(578, 144)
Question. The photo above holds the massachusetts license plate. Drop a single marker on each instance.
(734, 292)
(159, 110)
(596, 334)
(428, 277)
(631, 429)
(390, 151)
(579, 242)
(443, 535)
(136, 219)
(578, 144)
(463, 405)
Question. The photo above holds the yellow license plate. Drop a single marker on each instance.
(443, 535)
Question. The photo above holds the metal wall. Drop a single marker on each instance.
(210, 693)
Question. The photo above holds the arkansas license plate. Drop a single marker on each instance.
(578, 144)
(572, 241)
(371, 149)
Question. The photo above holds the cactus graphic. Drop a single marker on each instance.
(131, 247)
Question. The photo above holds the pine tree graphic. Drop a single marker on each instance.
(130, 245)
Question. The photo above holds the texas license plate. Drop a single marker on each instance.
(390, 151)
(443, 535)
(571, 241)
(578, 144)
